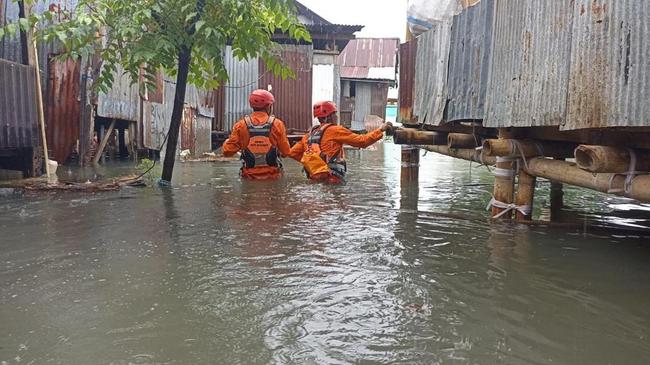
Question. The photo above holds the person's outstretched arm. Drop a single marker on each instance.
(298, 149)
(343, 135)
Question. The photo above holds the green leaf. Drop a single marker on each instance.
(199, 25)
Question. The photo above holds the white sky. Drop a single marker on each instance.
(382, 18)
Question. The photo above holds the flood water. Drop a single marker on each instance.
(223, 271)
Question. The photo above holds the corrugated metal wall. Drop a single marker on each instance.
(469, 62)
(123, 99)
(323, 83)
(378, 99)
(362, 104)
(610, 65)
(530, 69)
(63, 110)
(431, 66)
(407, 81)
(10, 48)
(18, 116)
(293, 102)
(244, 77)
(203, 136)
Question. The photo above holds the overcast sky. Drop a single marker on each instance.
(382, 18)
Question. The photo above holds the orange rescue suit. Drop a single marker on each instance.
(332, 141)
(239, 141)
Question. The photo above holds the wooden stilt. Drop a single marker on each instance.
(410, 163)
(525, 195)
(102, 145)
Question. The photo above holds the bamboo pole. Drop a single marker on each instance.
(504, 180)
(570, 173)
(102, 145)
(412, 136)
(525, 195)
(527, 148)
(611, 159)
(464, 154)
(39, 105)
(462, 140)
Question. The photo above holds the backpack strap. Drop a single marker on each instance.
(259, 130)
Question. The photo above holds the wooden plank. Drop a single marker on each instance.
(107, 135)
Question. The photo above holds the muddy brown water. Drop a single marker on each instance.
(220, 271)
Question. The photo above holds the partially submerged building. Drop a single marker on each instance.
(530, 80)
(368, 69)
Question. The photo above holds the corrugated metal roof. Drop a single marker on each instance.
(469, 62)
(293, 102)
(18, 118)
(243, 79)
(610, 65)
(530, 69)
(431, 66)
(407, 55)
(362, 56)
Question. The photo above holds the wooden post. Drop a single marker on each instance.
(102, 145)
(525, 195)
(122, 152)
(410, 163)
(557, 200)
(504, 181)
(39, 105)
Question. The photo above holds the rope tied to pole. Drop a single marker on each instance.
(523, 209)
(629, 175)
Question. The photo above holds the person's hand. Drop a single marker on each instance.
(387, 127)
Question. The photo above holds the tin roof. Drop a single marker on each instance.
(369, 58)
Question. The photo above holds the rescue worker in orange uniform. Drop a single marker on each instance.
(261, 138)
(321, 151)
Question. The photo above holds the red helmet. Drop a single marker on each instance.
(324, 108)
(260, 99)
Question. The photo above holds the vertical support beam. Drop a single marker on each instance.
(525, 195)
(557, 199)
(410, 163)
(106, 136)
(122, 142)
(504, 181)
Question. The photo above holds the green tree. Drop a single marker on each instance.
(185, 38)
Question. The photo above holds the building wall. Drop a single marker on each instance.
(18, 115)
(293, 97)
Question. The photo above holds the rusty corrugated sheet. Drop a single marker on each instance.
(219, 103)
(431, 66)
(469, 62)
(531, 50)
(188, 141)
(202, 135)
(63, 109)
(123, 99)
(10, 48)
(293, 102)
(407, 54)
(243, 79)
(610, 65)
(366, 53)
(156, 117)
(378, 99)
(18, 116)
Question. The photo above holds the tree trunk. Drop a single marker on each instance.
(184, 57)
